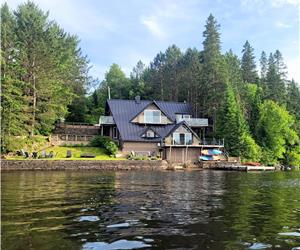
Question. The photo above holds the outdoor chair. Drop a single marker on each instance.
(43, 154)
(69, 154)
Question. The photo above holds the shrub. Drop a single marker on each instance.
(105, 142)
(293, 157)
(250, 150)
(99, 141)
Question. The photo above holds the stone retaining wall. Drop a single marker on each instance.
(7, 165)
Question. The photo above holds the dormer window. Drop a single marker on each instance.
(150, 134)
(152, 116)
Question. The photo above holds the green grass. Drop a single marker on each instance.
(60, 153)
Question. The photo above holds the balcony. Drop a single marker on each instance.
(106, 120)
(194, 122)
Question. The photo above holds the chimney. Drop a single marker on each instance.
(137, 99)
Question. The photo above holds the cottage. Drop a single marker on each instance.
(167, 129)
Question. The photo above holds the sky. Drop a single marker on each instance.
(126, 31)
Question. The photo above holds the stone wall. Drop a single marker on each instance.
(7, 165)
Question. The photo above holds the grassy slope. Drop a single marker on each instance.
(61, 152)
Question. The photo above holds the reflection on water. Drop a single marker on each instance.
(132, 210)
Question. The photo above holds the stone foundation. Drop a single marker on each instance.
(7, 165)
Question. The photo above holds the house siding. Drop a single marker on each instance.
(181, 129)
(151, 147)
(182, 154)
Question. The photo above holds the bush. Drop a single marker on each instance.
(293, 157)
(34, 143)
(105, 142)
(250, 150)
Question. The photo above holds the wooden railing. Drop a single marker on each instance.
(71, 137)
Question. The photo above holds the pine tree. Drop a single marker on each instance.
(275, 80)
(248, 65)
(263, 65)
(13, 102)
(214, 71)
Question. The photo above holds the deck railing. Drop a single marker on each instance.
(106, 120)
(214, 142)
(194, 122)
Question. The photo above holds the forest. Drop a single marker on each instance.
(45, 77)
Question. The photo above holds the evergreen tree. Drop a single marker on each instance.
(275, 80)
(13, 102)
(214, 78)
(248, 65)
(263, 66)
(293, 98)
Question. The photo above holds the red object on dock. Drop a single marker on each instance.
(252, 164)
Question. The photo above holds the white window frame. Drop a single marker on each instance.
(150, 131)
(152, 110)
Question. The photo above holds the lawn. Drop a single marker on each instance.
(60, 153)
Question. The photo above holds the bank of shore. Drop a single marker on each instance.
(8, 165)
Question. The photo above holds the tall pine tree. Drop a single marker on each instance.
(248, 65)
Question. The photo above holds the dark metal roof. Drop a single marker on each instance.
(124, 110)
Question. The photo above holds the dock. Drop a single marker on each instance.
(234, 167)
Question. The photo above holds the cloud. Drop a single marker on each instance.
(164, 17)
(280, 3)
(280, 24)
(75, 17)
(152, 23)
(262, 5)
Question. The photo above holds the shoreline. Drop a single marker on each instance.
(37, 164)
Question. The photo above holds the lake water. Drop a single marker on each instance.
(150, 209)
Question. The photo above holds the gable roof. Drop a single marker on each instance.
(183, 123)
(124, 110)
(155, 103)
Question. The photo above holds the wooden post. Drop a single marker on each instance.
(170, 153)
(75, 137)
(186, 153)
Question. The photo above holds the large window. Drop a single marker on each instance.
(152, 116)
(182, 139)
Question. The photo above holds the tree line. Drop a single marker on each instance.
(45, 77)
(257, 113)
(42, 71)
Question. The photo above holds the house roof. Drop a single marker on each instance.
(124, 110)
(182, 123)
(157, 105)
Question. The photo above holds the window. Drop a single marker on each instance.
(115, 132)
(182, 139)
(150, 134)
(176, 139)
(188, 139)
(152, 116)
